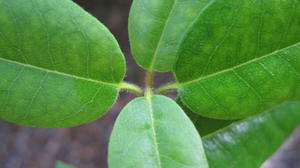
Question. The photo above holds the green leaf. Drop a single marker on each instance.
(60, 164)
(156, 28)
(250, 142)
(59, 66)
(240, 58)
(204, 125)
(154, 132)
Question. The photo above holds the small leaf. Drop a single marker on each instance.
(59, 66)
(154, 132)
(156, 28)
(204, 125)
(250, 142)
(240, 58)
(60, 164)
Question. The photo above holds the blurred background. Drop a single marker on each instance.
(86, 146)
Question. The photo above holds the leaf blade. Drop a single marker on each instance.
(145, 129)
(52, 101)
(204, 125)
(246, 90)
(58, 60)
(221, 66)
(235, 25)
(249, 139)
(154, 41)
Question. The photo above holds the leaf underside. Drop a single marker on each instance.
(59, 66)
(154, 132)
(240, 58)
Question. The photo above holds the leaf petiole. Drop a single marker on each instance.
(166, 88)
(131, 87)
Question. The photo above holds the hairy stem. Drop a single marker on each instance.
(131, 87)
(149, 79)
(149, 83)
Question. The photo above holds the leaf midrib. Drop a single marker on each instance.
(153, 61)
(60, 73)
(237, 66)
(149, 100)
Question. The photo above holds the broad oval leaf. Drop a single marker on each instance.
(59, 66)
(156, 28)
(241, 57)
(154, 132)
(248, 143)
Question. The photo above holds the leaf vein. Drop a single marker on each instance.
(238, 66)
(10, 88)
(259, 96)
(266, 69)
(213, 98)
(289, 65)
(153, 61)
(154, 131)
(84, 35)
(58, 73)
(42, 18)
(81, 107)
(34, 97)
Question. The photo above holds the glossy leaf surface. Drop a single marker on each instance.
(204, 125)
(154, 132)
(250, 142)
(59, 66)
(240, 58)
(156, 28)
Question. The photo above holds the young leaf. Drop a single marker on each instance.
(156, 28)
(154, 132)
(60, 164)
(250, 142)
(240, 58)
(59, 66)
(204, 125)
